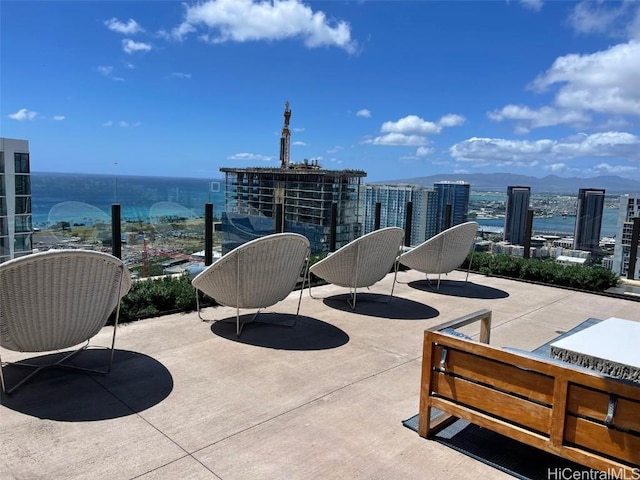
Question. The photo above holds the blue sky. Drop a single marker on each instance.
(398, 89)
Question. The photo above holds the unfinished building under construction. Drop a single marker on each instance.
(322, 205)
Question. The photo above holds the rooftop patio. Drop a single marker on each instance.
(188, 399)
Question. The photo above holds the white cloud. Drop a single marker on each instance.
(106, 70)
(335, 149)
(23, 114)
(364, 113)
(181, 75)
(603, 82)
(131, 46)
(58, 118)
(535, 5)
(249, 20)
(130, 28)
(451, 120)
(411, 125)
(121, 123)
(543, 117)
(250, 156)
(424, 151)
(398, 139)
(124, 124)
(298, 129)
(605, 17)
(299, 144)
(606, 169)
(557, 167)
(412, 130)
(498, 151)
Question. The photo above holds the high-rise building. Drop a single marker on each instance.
(452, 204)
(323, 205)
(304, 195)
(588, 219)
(393, 201)
(515, 221)
(15, 199)
(629, 209)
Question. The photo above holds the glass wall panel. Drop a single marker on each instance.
(22, 243)
(23, 185)
(23, 205)
(21, 162)
(23, 223)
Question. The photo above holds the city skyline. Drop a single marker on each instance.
(173, 89)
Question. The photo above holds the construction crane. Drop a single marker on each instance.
(285, 139)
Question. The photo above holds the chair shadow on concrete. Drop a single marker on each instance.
(375, 305)
(136, 382)
(271, 332)
(460, 288)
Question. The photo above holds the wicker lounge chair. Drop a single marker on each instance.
(257, 274)
(58, 299)
(443, 252)
(362, 262)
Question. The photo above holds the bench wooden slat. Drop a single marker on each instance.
(575, 454)
(535, 386)
(601, 439)
(584, 402)
(528, 414)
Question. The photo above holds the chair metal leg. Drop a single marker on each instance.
(352, 298)
(469, 267)
(58, 364)
(198, 306)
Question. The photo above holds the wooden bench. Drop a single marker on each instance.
(583, 416)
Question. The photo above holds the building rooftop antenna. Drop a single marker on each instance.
(285, 139)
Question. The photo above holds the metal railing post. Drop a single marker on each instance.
(208, 233)
(408, 224)
(116, 231)
(528, 231)
(334, 227)
(633, 252)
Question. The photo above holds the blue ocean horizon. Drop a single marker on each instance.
(87, 199)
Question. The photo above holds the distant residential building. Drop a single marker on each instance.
(588, 219)
(15, 199)
(567, 260)
(393, 201)
(517, 207)
(307, 195)
(452, 204)
(629, 209)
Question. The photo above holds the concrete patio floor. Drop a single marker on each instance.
(186, 399)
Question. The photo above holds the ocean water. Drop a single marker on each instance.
(561, 224)
(87, 199)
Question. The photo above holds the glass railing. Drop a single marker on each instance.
(162, 225)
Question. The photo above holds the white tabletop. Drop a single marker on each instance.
(613, 339)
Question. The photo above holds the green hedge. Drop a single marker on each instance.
(159, 296)
(594, 279)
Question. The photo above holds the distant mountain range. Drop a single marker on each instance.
(486, 182)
